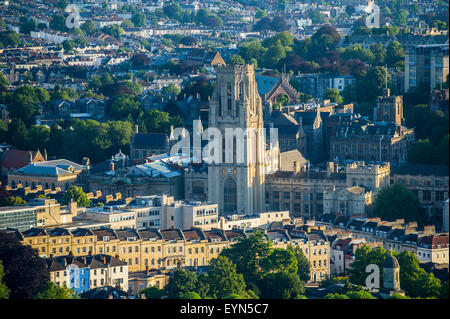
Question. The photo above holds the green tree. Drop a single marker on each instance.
(52, 291)
(89, 27)
(281, 285)
(316, 17)
(236, 60)
(415, 280)
(114, 30)
(280, 260)
(395, 55)
(18, 134)
(23, 104)
(58, 23)
(4, 291)
(334, 96)
(260, 14)
(9, 39)
(362, 294)
(138, 19)
(400, 17)
(398, 296)
(27, 26)
(180, 283)
(172, 89)
(303, 264)
(379, 53)
(124, 106)
(371, 85)
(247, 254)
(76, 194)
(15, 201)
(26, 273)
(42, 94)
(153, 293)
(363, 257)
(252, 50)
(223, 279)
(4, 83)
(191, 295)
(127, 24)
(155, 121)
(336, 296)
(357, 52)
(120, 133)
(274, 54)
(395, 202)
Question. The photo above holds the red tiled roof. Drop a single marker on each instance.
(434, 240)
(15, 159)
(191, 235)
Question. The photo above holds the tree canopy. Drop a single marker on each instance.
(76, 194)
(26, 273)
(396, 202)
(52, 291)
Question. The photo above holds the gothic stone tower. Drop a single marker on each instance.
(238, 187)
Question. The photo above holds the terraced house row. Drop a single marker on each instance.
(398, 235)
(157, 249)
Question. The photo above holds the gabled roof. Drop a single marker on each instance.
(150, 140)
(53, 265)
(341, 244)
(104, 232)
(214, 235)
(150, 234)
(14, 159)
(82, 232)
(123, 234)
(172, 234)
(52, 168)
(193, 234)
(33, 232)
(55, 232)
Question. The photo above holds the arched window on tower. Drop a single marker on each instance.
(230, 196)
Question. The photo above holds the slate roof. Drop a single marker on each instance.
(193, 234)
(55, 232)
(102, 232)
(149, 234)
(150, 140)
(53, 265)
(265, 83)
(213, 235)
(123, 234)
(52, 168)
(172, 234)
(33, 232)
(307, 118)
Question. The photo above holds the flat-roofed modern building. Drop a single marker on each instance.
(427, 64)
(21, 218)
(40, 212)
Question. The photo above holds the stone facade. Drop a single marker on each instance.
(236, 104)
